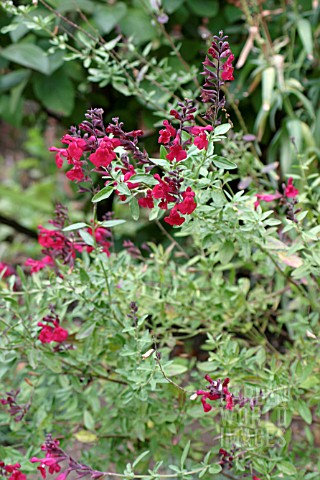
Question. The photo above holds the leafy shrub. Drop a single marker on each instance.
(190, 360)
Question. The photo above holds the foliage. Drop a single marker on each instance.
(107, 348)
(193, 356)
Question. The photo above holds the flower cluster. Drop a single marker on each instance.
(54, 455)
(61, 245)
(51, 330)
(217, 70)
(218, 390)
(13, 471)
(17, 411)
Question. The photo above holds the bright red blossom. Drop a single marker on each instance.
(174, 218)
(167, 133)
(290, 190)
(266, 197)
(50, 334)
(176, 151)
(14, 469)
(201, 140)
(188, 205)
(227, 69)
(146, 202)
(37, 265)
(104, 154)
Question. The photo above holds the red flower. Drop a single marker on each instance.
(51, 238)
(127, 175)
(76, 173)
(266, 197)
(14, 469)
(163, 191)
(50, 334)
(104, 154)
(196, 130)
(174, 218)
(167, 133)
(255, 478)
(50, 461)
(146, 202)
(227, 69)
(188, 205)
(176, 152)
(290, 190)
(74, 151)
(37, 265)
(216, 390)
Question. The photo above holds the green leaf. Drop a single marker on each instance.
(123, 189)
(87, 238)
(268, 84)
(222, 129)
(33, 357)
(75, 226)
(139, 458)
(106, 192)
(171, 6)
(137, 23)
(111, 223)
(175, 369)
(134, 208)
(287, 468)
(27, 55)
(185, 454)
(226, 252)
(85, 331)
(55, 92)
(107, 17)
(147, 179)
(12, 79)
(163, 152)
(222, 162)
(215, 468)
(203, 8)
(304, 411)
(88, 420)
(305, 34)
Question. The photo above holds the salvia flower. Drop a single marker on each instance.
(218, 390)
(51, 331)
(217, 68)
(12, 471)
(54, 456)
(289, 192)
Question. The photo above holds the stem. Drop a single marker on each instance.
(167, 234)
(157, 359)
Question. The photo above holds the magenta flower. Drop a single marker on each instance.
(104, 154)
(167, 133)
(176, 152)
(51, 333)
(266, 197)
(37, 265)
(227, 69)
(290, 190)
